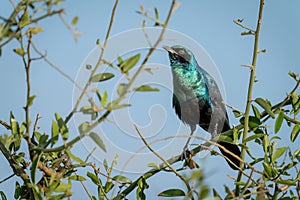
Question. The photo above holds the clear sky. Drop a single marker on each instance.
(209, 23)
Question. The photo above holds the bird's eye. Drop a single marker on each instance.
(181, 52)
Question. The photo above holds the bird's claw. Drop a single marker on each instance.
(185, 154)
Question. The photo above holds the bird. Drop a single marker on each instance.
(197, 100)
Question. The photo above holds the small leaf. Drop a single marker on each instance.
(3, 197)
(73, 157)
(287, 182)
(108, 186)
(113, 106)
(253, 137)
(74, 21)
(95, 137)
(237, 113)
(83, 128)
(77, 178)
(34, 166)
(255, 111)
(278, 153)
(62, 187)
(293, 75)
(153, 165)
(19, 51)
(63, 129)
(216, 195)
(265, 106)
(129, 63)
(253, 121)
(146, 88)
(279, 121)
(88, 66)
(122, 179)
(268, 170)
(295, 132)
(24, 20)
(104, 98)
(172, 193)
(94, 178)
(86, 110)
(30, 100)
(102, 77)
(122, 88)
(156, 13)
(54, 132)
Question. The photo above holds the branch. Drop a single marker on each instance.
(163, 160)
(250, 89)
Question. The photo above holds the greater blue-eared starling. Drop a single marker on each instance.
(197, 99)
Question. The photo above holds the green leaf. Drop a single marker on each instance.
(142, 185)
(153, 165)
(146, 88)
(3, 197)
(254, 122)
(62, 187)
(122, 88)
(95, 137)
(102, 77)
(74, 21)
(24, 20)
(265, 106)
(15, 130)
(94, 178)
(237, 113)
(73, 157)
(86, 110)
(83, 128)
(278, 153)
(295, 132)
(266, 143)
(104, 98)
(256, 111)
(30, 100)
(253, 137)
(293, 75)
(156, 13)
(108, 186)
(122, 179)
(54, 132)
(216, 195)
(77, 178)
(172, 193)
(88, 66)
(279, 121)
(34, 166)
(17, 190)
(287, 182)
(129, 63)
(62, 127)
(114, 106)
(268, 170)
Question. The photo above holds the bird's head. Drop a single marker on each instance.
(180, 56)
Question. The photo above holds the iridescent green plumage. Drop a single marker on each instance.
(197, 99)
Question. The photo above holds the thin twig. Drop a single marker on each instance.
(99, 62)
(162, 159)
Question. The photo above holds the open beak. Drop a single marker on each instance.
(170, 50)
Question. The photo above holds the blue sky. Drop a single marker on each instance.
(209, 23)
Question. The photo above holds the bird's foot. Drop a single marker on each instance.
(185, 154)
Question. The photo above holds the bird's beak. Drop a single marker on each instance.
(170, 50)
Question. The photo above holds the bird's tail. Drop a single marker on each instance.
(233, 148)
